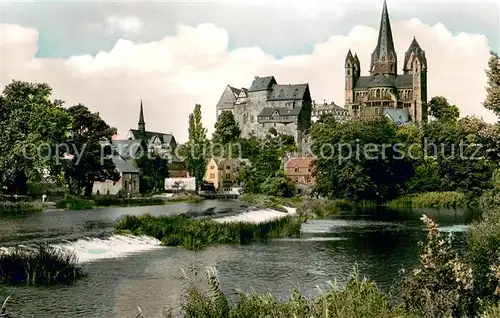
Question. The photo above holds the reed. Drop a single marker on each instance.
(75, 203)
(195, 234)
(40, 265)
(449, 199)
(14, 207)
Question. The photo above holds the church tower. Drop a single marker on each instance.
(415, 65)
(384, 59)
(141, 126)
(350, 77)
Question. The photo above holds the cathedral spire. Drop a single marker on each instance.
(141, 124)
(384, 60)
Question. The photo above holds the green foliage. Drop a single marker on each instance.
(195, 149)
(492, 101)
(197, 234)
(265, 172)
(226, 129)
(352, 162)
(43, 265)
(440, 109)
(320, 208)
(31, 127)
(89, 162)
(442, 285)
(279, 185)
(154, 170)
(359, 298)
(74, 203)
(451, 199)
(115, 200)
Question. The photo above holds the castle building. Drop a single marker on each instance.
(266, 105)
(402, 97)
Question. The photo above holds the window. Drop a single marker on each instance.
(211, 167)
(296, 179)
(212, 176)
(296, 169)
(309, 180)
(309, 170)
(251, 119)
(376, 111)
(228, 167)
(228, 176)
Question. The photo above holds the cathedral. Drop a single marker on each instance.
(401, 97)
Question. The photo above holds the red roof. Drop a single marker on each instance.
(300, 162)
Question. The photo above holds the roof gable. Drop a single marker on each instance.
(289, 92)
(262, 83)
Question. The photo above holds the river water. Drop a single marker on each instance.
(126, 272)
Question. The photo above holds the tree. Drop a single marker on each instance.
(194, 149)
(154, 170)
(492, 101)
(440, 109)
(226, 129)
(89, 162)
(31, 129)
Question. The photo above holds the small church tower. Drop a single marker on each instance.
(416, 65)
(141, 126)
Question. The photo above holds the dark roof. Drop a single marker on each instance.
(123, 165)
(381, 81)
(262, 83)
(325, 106)
(165, 138)
(141, 115)
(399, 81)
(235, 90)
(288, 92)
(281, 111)
(245, 90)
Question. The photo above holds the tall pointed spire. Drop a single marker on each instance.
(141, 124)
(384, 59)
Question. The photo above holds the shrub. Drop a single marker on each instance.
(319, 208)
(360, 298)
(43, 265)
(442, 285)
(74, 203)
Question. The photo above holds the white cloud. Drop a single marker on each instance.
(127, 25)
(173, 74)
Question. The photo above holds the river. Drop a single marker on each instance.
(125, 272)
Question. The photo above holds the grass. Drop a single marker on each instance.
(187, 198)
(42, 265)
(195, 234)
(75, 203)
(449, 199)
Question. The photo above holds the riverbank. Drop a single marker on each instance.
(449, 199)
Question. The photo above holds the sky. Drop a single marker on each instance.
(173, 55)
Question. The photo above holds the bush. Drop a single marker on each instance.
(319, 208)
(43, 265)
(360, 298)
(74, 203)
(442, 285)
(279, 186)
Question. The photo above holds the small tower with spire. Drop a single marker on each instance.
(350, 80)
(384, 60)
(141, 126)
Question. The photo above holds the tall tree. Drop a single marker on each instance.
(89, 163)
(492, 101)
(195, 149)
(226, 129)
(154, 170)
(440, 109)
(31, 128)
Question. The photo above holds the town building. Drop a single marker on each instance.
(223, 173)
(320, 109)
(385, 92)
(267, 104)
(128, 184)
(300, 170)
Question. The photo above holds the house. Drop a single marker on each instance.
(339, 113)
(300, 171)
(223, 173)
(127, 184)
